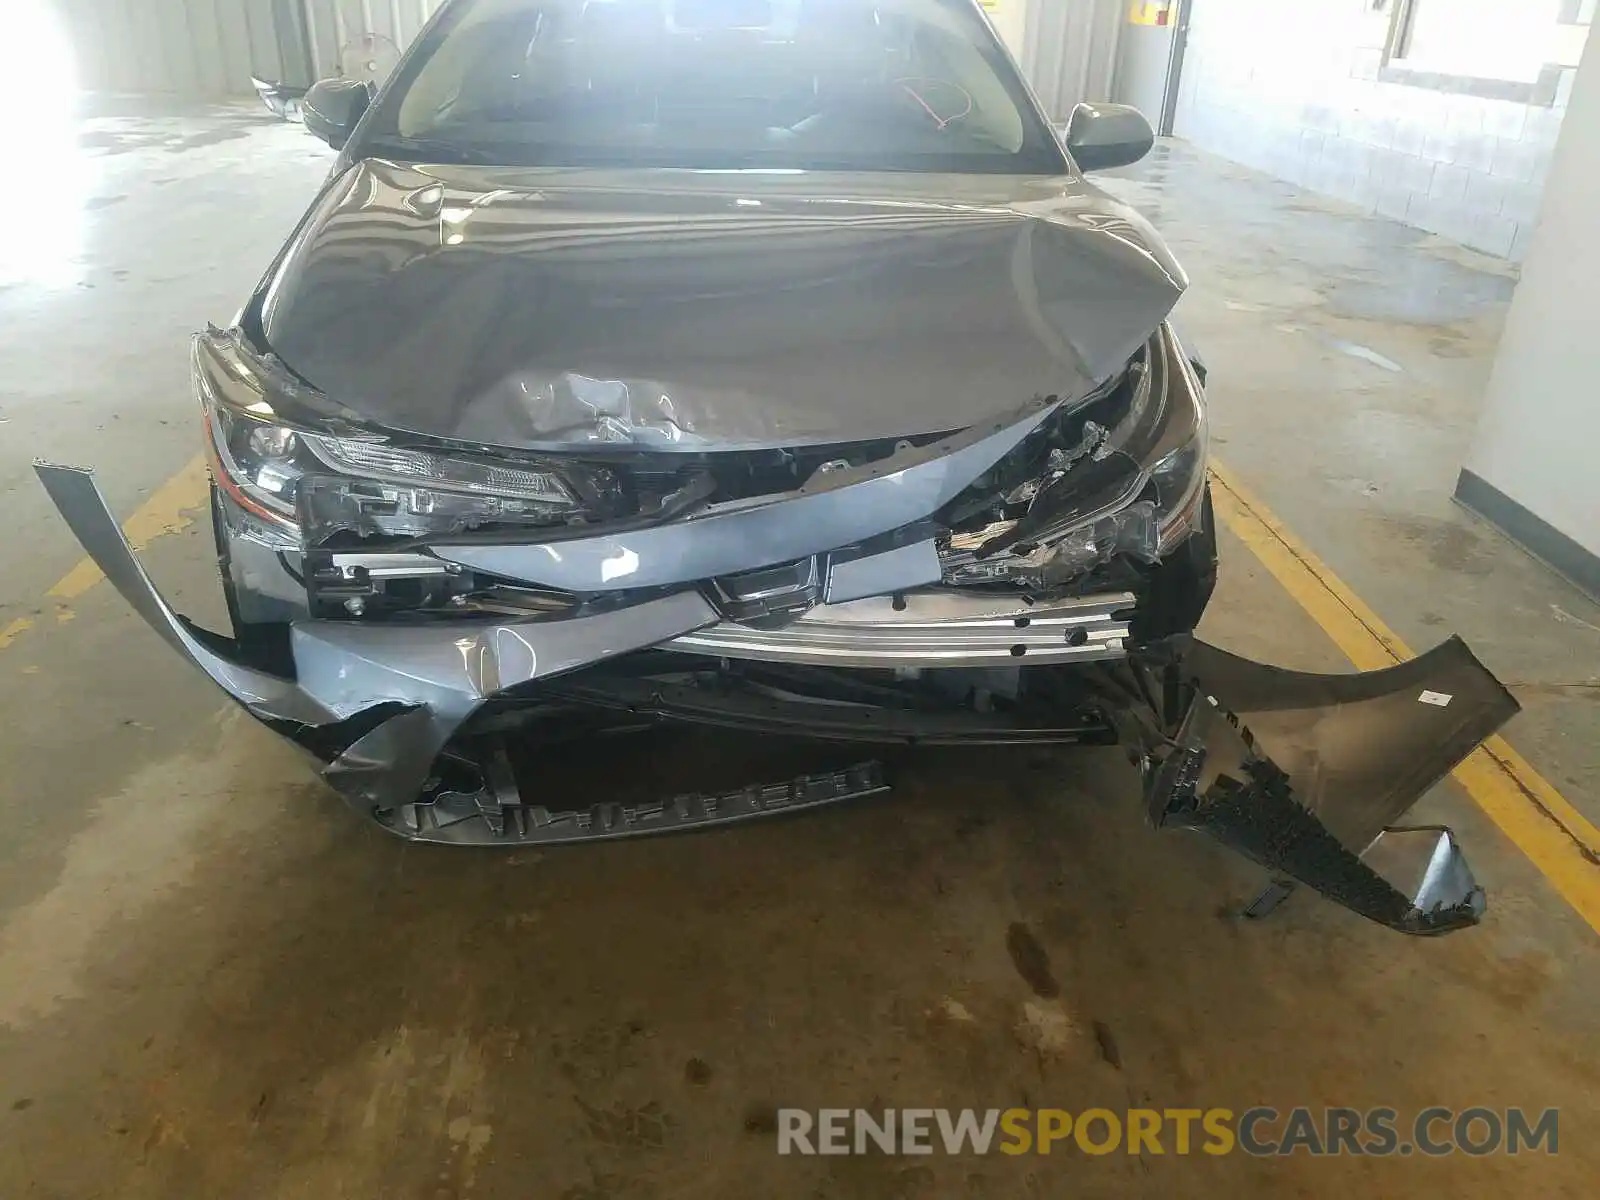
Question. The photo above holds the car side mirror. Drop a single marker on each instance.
(1107, 135)
(333, 106)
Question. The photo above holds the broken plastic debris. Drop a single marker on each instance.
(1133, 532)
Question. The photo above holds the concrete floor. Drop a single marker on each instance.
(215, 981)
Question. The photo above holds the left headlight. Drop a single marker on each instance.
(273, 469)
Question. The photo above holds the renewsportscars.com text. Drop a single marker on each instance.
(1259, 1131)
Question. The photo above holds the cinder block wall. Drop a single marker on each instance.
(1292, 89)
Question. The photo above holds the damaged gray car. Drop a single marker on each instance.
(758, 364)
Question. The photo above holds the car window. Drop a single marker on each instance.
(805, 84)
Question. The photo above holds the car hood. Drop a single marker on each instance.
(695, 310)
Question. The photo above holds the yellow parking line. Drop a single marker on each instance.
(14, 629)
(1556, 837)
(163, 512)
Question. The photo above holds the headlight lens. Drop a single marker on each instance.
(374, 460)
(1179, 477)
(283, 477)
(255, 465)
(1179, 480)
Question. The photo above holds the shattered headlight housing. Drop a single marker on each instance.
(1132, 484)
(295, 485)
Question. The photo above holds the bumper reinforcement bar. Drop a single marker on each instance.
(931, 629)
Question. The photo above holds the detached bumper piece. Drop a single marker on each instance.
(1308, 774)
(500, 810)
(282, 99)
(415, 723)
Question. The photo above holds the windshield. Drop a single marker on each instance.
(910, 85)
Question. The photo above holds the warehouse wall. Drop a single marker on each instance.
(362, 37)
(1064, 47)
(202, 48)
(1292, 88)
(1532, 467)
(1069, 50)
(210, 48)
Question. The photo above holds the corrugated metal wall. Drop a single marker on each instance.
(210, 48)
(1070, 51)
(362, 37)
(203, 48)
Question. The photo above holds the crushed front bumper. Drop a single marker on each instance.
(1308, 774)
(1305, 774)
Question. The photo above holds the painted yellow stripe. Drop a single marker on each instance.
(14, 629)
(162, 512)
(168, 509)
(1556, 837)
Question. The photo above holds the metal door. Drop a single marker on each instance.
(1150, 57)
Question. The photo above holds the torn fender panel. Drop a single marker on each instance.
(425, 678)
(1361, 748)
(386, 767)
(269, 697)
(1308, 774)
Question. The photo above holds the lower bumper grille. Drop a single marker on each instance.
(931, 629)
(498, 816)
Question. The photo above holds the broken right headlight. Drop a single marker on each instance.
(1128, 481)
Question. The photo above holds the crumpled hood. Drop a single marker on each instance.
(561, 309)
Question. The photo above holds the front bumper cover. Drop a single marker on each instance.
(1305, 774)
(1308, 774)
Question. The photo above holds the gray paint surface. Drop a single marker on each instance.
(643, 307)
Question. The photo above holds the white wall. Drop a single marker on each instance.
(1290, 87)
(1539, 438)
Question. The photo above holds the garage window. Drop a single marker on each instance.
(1490, 39)
(1503, 49)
